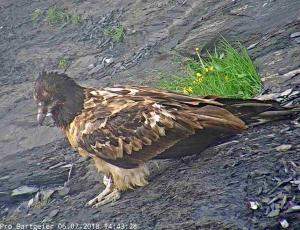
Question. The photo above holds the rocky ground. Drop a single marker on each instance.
(214, 190)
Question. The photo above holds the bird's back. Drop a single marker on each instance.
(126, 126)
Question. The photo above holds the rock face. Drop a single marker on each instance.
(207, 191)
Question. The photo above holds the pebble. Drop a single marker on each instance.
(254, 205)
(53, 213)
(274, 213)
(295, 208)
(295, 35)
(108, 60)
(64, 191)
(24, 190)
(252, 46)
(284, 223)
(283, 148)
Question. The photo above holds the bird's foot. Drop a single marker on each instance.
(108, 195)
(109, 198)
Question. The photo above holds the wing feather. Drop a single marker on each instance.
(128, 126)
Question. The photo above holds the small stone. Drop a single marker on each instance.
(109, 60)
(295, 35)
(284, 223)
(296, 182)
(24, 190)
(254, 205)
(53, 213)
(295, 208)
(64, 191)
(252, 46)
(283, 148)
(274, 213)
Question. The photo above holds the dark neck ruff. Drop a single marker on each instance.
(73, 106)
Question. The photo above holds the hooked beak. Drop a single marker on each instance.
(42, 114)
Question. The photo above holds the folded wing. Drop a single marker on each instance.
(129, 126)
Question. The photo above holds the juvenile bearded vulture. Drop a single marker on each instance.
(123, 127)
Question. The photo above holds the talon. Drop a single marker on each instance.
(111, 197)
(107, 194)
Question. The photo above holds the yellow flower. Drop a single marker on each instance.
(197, 49)
(206, 70)
(198, 81)
(211, 68)
(199, 78)
(187, 90)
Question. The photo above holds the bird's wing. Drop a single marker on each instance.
(128, 126)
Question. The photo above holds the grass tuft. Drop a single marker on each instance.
(37, 14)
(56, 16)
(228, 72)
(63, 63)
(116, 33)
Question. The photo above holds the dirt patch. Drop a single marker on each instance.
(209, 191)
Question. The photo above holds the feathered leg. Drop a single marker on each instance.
(109, 194)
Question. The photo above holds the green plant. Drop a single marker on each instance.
(63, 63)
(76, 19)
(37, 14)
(57, 15)
(116, 33)
(228, 72)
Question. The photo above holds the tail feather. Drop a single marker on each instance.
(256, 111)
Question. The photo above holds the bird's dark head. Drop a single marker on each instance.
(59, 96)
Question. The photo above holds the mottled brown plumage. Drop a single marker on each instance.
(123, 127)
